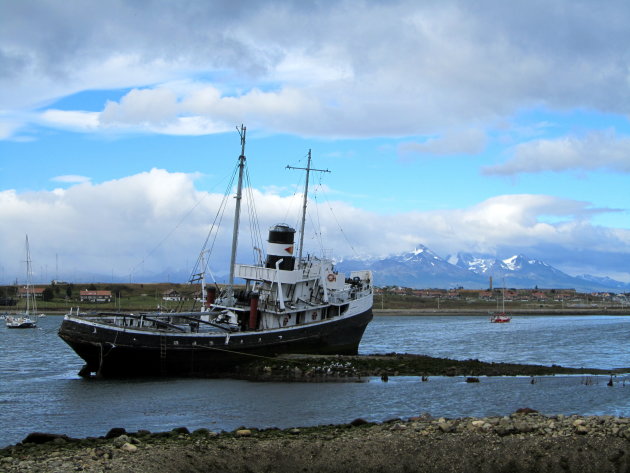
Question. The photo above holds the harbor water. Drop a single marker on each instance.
(41, 391)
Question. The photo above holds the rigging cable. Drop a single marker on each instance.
(214, 229)
(169, 234)
(341, 228)
(254, 225)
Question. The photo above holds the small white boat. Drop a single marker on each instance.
(25, 319)
(21, 321)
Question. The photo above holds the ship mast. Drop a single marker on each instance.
(237, 211)
(308, 170)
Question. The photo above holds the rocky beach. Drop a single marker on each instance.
(524, 441)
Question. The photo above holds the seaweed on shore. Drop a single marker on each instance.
(338, 368)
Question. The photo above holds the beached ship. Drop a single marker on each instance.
(286, 304)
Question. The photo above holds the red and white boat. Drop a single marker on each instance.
(500, 318)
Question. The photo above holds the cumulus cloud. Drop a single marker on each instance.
(400, 68)
(594, 151)
(156, 221)
(194, 108)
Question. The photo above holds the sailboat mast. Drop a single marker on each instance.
(237, 211)
(28, 277)
(308, 170)
(503, 297)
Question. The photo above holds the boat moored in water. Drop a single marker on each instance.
(25, 319)
(20, 321)
(500, 318)
(287, 304)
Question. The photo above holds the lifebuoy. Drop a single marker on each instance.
(285, 321)
(331, 277)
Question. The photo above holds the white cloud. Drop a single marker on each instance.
(351, 68)
(185, 109)
(593, 151)
(136, 224)
(70, 119)
(140, 106)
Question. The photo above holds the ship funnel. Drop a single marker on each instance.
(280, 247)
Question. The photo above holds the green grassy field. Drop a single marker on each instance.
(146, 297)
(124, 297)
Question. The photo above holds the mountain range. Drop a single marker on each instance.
(422, 268)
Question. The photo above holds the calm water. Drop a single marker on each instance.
(40, 391)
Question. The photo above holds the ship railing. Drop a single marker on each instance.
(258, 273)
(338, 297)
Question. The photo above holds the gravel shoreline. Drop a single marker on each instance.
(525, 441)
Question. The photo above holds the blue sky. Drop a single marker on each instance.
(464, 127)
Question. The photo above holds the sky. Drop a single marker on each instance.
(488, 127)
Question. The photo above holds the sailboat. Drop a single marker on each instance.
(287, 304)
(25, 319)
(501, 317)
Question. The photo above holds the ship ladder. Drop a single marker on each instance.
(162, 347)
(162, 354)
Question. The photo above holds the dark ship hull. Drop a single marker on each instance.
(112, 351)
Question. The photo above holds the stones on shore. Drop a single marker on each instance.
(358, 422)
(326, 369)
(120, 453)
(181, 430)
(115, 432)
(128, 447)
(41, 437)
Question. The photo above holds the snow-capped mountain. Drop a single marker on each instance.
(418, 268)
(615, 286)
(422, 268)
(518, 271)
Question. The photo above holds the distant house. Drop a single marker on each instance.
(171, 295)
(34, 291)
(95, 296)
(539, 296)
